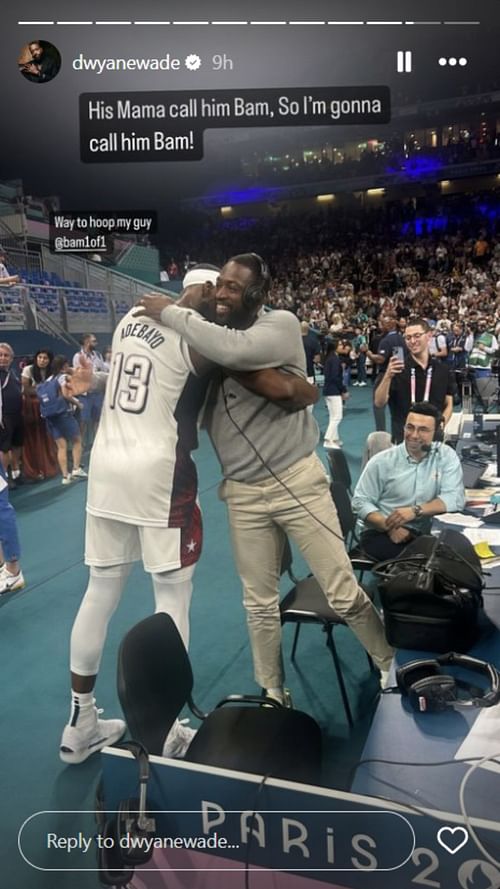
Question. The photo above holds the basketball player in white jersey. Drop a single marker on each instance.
(141, 504)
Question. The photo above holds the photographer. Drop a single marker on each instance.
(418, 378)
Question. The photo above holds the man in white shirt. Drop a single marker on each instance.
(91, 402)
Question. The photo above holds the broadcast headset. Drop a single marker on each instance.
(255, 293)
(430, 690)
(127, 828)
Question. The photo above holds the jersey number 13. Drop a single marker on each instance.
(129, 382)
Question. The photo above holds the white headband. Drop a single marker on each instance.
(200, 276)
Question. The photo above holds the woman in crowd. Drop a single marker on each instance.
(335, 393)
(39, 452)
(63, 427)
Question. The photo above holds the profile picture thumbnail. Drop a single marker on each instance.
(39, 61)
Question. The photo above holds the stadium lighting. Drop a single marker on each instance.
(325, 198)
(375, 191)
(226, 211)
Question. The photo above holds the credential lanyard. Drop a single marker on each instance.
(413, 385)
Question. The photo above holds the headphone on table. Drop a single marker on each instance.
(127, 827)
(430, 690)
(255, 294)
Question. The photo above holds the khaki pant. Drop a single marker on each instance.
(260, 515)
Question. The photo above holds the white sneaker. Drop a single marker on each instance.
(362, 384)
(80, 742)
(178, 740)
(79, 473)
(66, 480)
(356, 384)
(10, 582)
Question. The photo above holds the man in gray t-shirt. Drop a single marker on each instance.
(274, 484)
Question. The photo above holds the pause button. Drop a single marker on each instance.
(404, 61)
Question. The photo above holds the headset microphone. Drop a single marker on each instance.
(431, 448)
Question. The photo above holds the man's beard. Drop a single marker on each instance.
(207, 310)
(239, 319)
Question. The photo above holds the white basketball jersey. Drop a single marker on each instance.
(141, 471)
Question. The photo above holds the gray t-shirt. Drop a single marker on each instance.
(243, 425)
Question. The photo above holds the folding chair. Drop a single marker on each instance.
(155, 681)
(339, 467)
(306, 603)
(360, 560)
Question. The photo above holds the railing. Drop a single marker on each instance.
(92, 276)
(21, 310)
(12, 309)
(46, 323)
(20, 260)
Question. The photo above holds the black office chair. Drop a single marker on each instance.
(306, 603)
(155, 681)
(360, 560)
(339, 467)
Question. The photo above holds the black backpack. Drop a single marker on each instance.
(431, 594)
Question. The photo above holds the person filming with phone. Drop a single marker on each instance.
(416, 377)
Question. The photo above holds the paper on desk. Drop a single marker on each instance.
(481, 494)
(458, 518)
(483, 535)
(489, 475)
(483, 738)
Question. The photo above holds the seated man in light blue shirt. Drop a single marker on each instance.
(401, 488)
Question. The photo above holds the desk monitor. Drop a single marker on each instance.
(472, 473)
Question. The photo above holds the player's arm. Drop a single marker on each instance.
(290, 391)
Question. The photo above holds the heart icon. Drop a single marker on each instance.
(452, 838)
